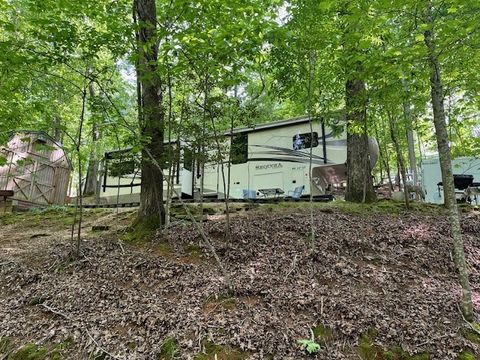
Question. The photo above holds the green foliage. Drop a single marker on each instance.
(309, 345)
(466, 355)
(45, 50)
(3, 160)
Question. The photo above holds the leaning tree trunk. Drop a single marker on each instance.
(152, 211)
(446, 165)
(359, 174)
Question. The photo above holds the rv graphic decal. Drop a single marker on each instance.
(283, 154)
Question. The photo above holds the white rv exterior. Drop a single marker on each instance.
(122, 176)
(432, 175)
(273, 157)
(277, 156)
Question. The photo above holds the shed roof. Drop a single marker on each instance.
(46, 135)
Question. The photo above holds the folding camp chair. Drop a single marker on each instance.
(297, 192)
(249, 194)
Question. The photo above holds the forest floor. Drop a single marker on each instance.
(377, 283)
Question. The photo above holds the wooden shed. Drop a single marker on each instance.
(36, 168)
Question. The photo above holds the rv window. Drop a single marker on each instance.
(239, 150)
(304, 141)
(119, 167)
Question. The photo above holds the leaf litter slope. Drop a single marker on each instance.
(390, 274)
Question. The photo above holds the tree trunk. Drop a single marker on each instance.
(446, 165)
(57, 128)
(172, 151)
(384, 160)
(91, 181)
(398, 151)
(79, 202)
(311, 73)
(389, 175)
(407, 112)
(152, 211)
(411, 153)
(359, 174)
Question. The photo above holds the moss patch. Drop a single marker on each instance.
(380, 207)
(208, 210)
(367, 350)
(398, 353)
(385, 207)
(4, 345)
(466, 355)
(33, 351)
(53, 217)
(169, 349)
(322, 334)
(471, 335)
(142, 231)
(193, 250)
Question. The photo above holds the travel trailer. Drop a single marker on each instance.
(274, 160)
(466, 172)
(268, 160)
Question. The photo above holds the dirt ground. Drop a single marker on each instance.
(376, 283)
